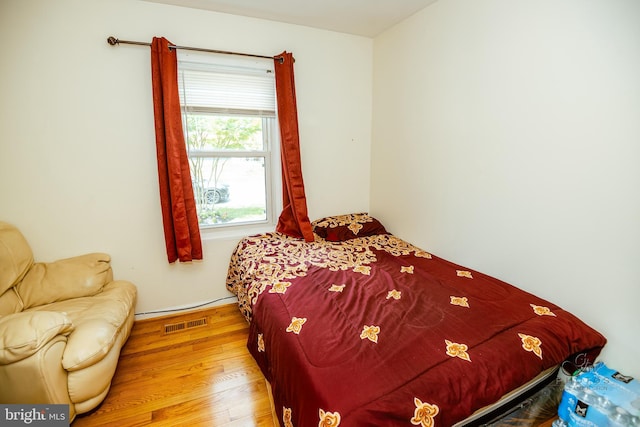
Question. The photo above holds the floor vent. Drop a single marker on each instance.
(181, 326)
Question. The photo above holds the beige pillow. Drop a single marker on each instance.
(75, 277)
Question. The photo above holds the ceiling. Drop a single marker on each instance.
(360, 17)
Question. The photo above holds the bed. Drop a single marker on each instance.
(361, 328)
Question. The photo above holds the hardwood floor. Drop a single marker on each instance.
(202, 376)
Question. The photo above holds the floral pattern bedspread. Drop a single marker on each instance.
(374, 331)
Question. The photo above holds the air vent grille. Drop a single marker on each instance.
(181, 326)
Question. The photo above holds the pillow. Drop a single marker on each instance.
(75, 277)
(346, 227)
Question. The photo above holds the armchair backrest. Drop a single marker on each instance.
(16, 259)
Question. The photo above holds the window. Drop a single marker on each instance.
(229, 120)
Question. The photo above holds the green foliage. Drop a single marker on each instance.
(210, 132)
(222, 215)
(206, 132)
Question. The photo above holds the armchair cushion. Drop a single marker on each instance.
(23, 334)
(98, 321)
(75, 277)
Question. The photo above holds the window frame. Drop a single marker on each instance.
(271, 144)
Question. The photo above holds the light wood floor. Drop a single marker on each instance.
(203, 376)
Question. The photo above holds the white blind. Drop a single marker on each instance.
(222, 88)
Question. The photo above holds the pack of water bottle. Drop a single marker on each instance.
(599, 397)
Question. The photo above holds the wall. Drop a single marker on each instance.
(77, 147)
(507, 139)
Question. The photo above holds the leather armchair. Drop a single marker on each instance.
(62, 325)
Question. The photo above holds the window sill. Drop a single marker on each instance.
(234, 231)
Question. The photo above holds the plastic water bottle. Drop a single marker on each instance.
(569, 398)
(559, 423)
(578, 421)
(620, 418)
(605, 404)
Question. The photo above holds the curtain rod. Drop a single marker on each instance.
(114, 41)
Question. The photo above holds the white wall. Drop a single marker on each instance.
(77, 148)
(507, 138)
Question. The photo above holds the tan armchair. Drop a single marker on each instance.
(62, 325)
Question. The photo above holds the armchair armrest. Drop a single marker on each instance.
(75, 277)
(23, 334)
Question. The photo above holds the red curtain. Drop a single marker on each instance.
(179, 215)
(294, 220)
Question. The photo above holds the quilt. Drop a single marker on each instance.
(361, 328)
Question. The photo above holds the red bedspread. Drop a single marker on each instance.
(376, 332)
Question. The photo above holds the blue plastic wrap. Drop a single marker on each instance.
(600, 397)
